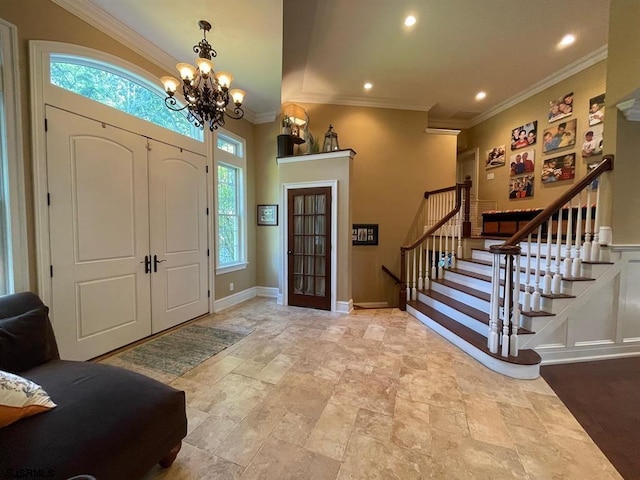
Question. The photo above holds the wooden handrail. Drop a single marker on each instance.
(458, 187)
(391, 274)
(542, 217)
(441, 190)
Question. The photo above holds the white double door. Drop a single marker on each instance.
(128, 235)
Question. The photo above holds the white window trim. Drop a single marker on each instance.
(221, 156)
(12, 150)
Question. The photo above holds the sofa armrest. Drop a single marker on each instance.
(26, 334)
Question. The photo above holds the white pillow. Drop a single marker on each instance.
(20, 398)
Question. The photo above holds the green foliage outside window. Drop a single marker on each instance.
(122, 94)
(228, 215)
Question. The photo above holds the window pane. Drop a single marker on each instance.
(121, 93)
(228, 215)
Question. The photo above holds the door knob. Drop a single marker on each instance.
(156, 262)
(289, 252)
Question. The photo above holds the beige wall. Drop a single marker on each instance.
(497, 131)
(623, 136)
(44, 20)
(396, 162)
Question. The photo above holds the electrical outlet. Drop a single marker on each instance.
(231, 287)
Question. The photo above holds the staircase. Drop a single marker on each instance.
(500, 299)
(457, 306)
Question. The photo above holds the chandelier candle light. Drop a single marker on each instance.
(206, 92)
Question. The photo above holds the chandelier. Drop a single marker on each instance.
(206, 92)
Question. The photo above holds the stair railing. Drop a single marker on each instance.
(562, 260)
(446, 221)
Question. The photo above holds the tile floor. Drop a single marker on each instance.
(371, 395)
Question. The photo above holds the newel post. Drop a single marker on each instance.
(402, 299)
(466, 224)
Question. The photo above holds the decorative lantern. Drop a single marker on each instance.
(330, 141)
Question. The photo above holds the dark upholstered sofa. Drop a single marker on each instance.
(109, 422)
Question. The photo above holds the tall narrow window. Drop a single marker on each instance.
(231, 203)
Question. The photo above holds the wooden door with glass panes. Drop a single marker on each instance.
(309, 247)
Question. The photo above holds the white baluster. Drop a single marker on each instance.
(420, 271)
(595, 245)
(414, 291)
(427, 283)
(516, 318)
(526, 299)
(536, 299)
(546, 289)
(459, 231)
(566, 266)
(576, 267)
(440, 251)
(586, 246)
(408, 277)
(492, 337)
(506, 306)
(556, 283)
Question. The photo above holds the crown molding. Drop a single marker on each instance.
(108, 24)
(441, 131)
(630, 109)
(562, 74)
(351, 101)
(264, 117)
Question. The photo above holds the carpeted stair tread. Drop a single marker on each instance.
(525, 357)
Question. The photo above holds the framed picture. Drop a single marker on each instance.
(521, 187)
(267, 215)
(592, 143)
(559, 168)
(521, 163)
(596, 110)
(559, 136)
(364, 234)
(524, 135)
(561, 107)
(495, 157)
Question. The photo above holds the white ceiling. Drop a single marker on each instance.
(324, 50)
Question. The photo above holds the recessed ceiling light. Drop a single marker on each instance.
(481, 95)
(368, 86)
(567, 40)
(410, 21)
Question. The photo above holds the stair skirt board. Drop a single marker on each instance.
(524, 372)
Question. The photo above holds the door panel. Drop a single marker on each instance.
(178, 222)
(309, 247)
(99, 235)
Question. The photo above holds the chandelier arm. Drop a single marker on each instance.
(238, 113)
(172, 103)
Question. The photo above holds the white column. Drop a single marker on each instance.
(536, 297)
(492, 337)
(576, 267)
(566, 266)
(516, 318)
(506, 306)
(586, 246)
(546, 289)
(526, 299)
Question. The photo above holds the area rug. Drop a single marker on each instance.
(183, 349)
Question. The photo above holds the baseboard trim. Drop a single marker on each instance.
(235, 299)
(372, 304)
(344, 307)
(271, 292)
(588, 354)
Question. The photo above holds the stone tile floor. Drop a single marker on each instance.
(370, 395)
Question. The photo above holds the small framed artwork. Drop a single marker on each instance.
(524, 135)
(561, 107)
(596, 110)
(521, 187)
(559, 136)
(495, 157)
(267, 214)
(364, 234)
(559, 168)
